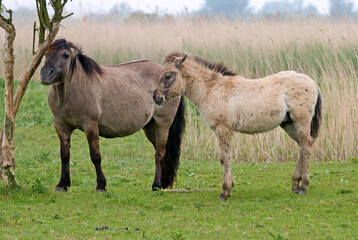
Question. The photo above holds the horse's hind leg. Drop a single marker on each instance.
(150, 132)
(92, 134)
(65, 137)
(224, 136)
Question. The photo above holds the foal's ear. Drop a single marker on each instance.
(179, 61)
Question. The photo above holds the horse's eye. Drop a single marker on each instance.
(168, 76)
(65, 55)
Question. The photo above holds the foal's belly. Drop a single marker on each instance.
(252, 128)
(260, 121)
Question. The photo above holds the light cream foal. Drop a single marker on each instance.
(229, 102)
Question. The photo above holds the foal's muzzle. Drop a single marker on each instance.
(158, 97)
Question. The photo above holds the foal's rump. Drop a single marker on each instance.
(301, 94)
(274, 100)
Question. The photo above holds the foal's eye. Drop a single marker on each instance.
(168, 76)
(65, 55)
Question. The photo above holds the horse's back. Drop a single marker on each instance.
(147, 71)
(127, 104)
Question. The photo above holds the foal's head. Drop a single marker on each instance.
(171, 82)
(61, 58)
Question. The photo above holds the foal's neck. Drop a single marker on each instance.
(198, 86)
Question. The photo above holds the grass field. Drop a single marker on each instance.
(262, 206)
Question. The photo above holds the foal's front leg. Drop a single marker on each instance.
(92, 135)
(225, 138)
(64, 135)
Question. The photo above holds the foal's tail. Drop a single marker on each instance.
(317, 117)
(172, 149)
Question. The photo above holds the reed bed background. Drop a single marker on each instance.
(323, 49)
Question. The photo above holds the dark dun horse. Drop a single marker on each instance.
(110, 101)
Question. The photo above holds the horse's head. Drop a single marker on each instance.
(58, 60)
(171, 83)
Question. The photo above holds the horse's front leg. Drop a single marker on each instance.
(64, 135)
(224, 136)
(92, 134)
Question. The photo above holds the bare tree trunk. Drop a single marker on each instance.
(12, 103)
(12, 106)
(7, 162)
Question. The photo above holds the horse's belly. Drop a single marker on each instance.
(121, 124)
(108, 132)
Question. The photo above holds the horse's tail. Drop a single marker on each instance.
(172, 149)
(317, 117)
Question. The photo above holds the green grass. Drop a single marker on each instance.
(261, 207)
(34, 109)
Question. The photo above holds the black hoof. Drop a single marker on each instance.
(100, 190)
(222, 197)
(61, 189)
(299, 191)
(155, 188)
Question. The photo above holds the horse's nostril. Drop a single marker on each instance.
(48, 72)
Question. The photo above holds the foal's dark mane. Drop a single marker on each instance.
(89, 65)
(217, 67)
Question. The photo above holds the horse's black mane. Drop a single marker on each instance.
(215, 66)
(89, 65)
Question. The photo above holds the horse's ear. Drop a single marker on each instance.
(179, 61)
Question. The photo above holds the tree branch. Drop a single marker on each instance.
(31, 68)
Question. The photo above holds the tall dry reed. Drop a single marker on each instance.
(323, 49)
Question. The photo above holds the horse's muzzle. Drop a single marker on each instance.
(47, 76)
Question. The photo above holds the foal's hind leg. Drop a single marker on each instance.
(300, 132)
(224, 136)
(301, 172)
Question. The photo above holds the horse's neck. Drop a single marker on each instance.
(69, 87)
(60, 91)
